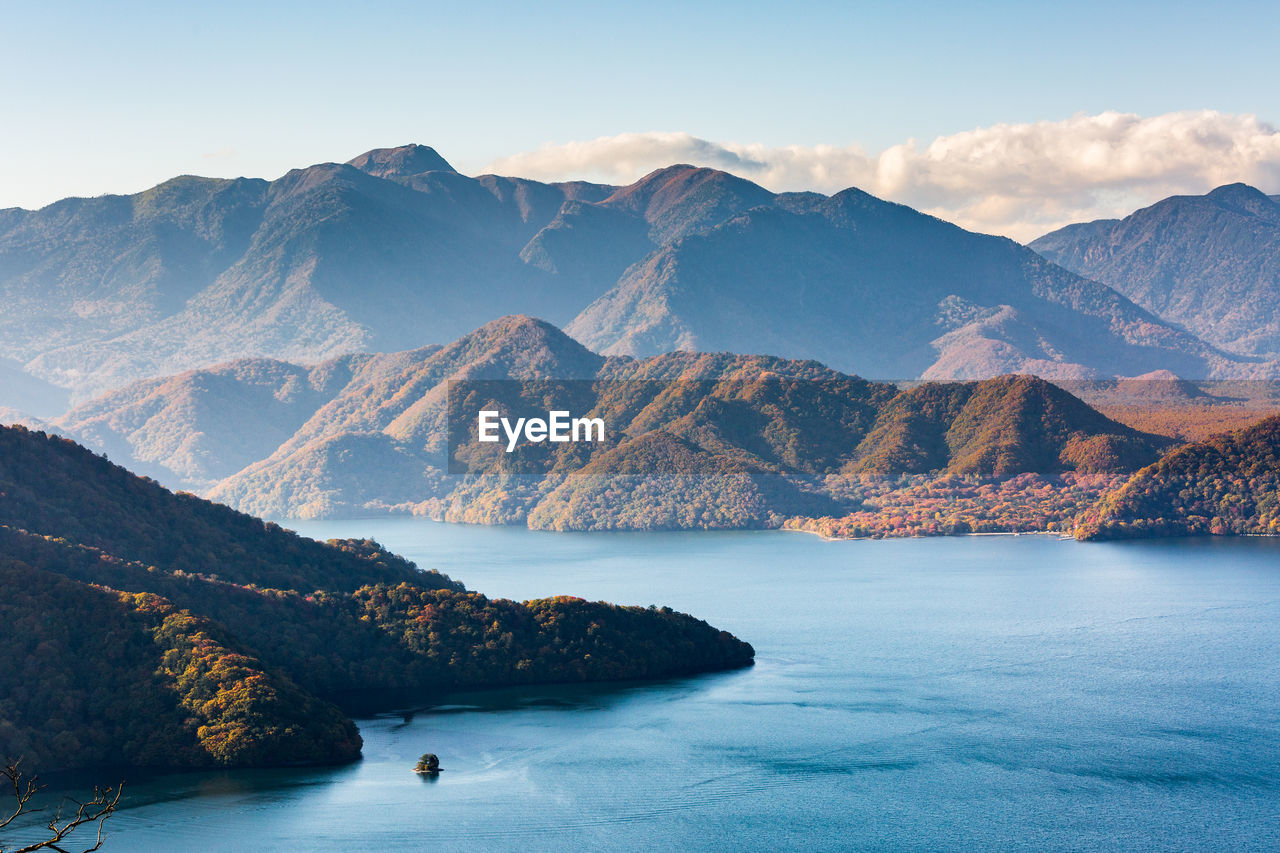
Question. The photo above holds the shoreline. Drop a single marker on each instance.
(825, 538)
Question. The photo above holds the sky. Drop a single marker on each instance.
(1005, 117)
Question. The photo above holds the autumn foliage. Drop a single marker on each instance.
(957, 505)
(1228, 484)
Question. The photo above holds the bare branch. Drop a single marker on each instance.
(22, 792)
(96, 810)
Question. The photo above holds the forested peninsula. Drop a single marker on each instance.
(148, 628)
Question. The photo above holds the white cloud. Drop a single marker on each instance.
(1015, 179)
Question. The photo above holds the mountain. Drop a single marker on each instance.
(694, 439)
(326, 260)
(996, 428)
(1228, 484)
(862, 284)
(395, 250)
(148, 628)
(403, 162)
(1210, 263)
(681, 200)
(55, 488)
(387, 252)
(399, 428)
(205, 425)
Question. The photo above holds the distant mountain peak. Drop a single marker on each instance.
(1240, 195)
(527, 345)
(681, 199)
(1210, 263)
(1157, 376)
(517, 324)
(678, 179)
(402, 162)
(1237, 189)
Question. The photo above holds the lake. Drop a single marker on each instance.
(1017, 693)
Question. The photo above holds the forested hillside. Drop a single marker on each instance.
(997, 428)
(695, 440)
(94, 677)
(159, 629)
(1227, 484)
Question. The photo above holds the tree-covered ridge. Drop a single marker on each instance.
(52, 486)
(221, 659)
(92, 676)
(334, 643)
(1227, 484)
(305, 633)
(760, 434)
(337, 644)
(997, 428)
(660, 481)
(1017, 424)
(463, 638)
(910, 433)
(245, 715)
(770, 414)
(760, 446)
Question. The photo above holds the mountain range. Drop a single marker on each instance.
(696, 439)
(395, 250)
(878, 288)
(1210, 263)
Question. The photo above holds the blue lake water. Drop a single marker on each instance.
(1016, 693)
